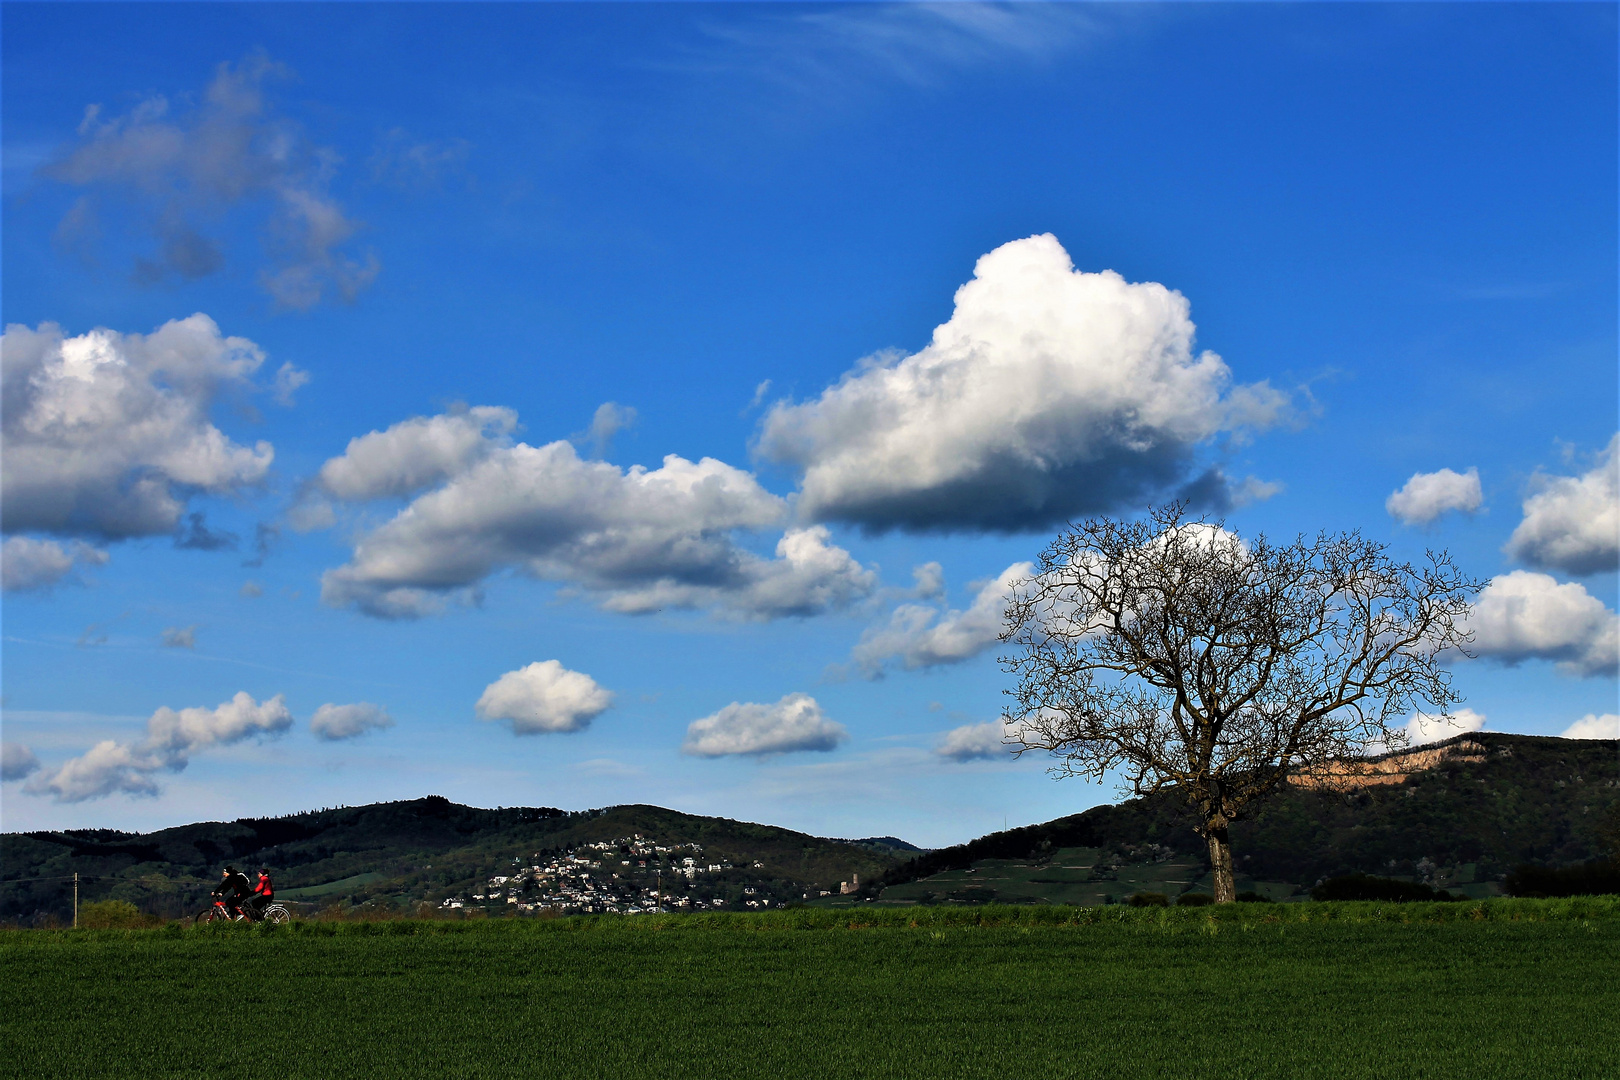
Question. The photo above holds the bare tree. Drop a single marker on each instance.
(1184, 657)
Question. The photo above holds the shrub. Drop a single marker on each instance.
(1194, 899)
(1148, 899)
(1367, 887)
(112, 915)
(1596, 878)
(1250, 897)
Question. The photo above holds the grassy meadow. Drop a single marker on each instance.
(1503, 988)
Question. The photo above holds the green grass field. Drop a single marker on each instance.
(1504, 988)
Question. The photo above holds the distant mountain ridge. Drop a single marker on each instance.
(1459, 814)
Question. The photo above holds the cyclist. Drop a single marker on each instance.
(263, 893)
(232, 887)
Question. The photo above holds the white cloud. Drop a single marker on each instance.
(16, 761)
(638, 539)
(1428, 495)
(794, 723)
(1050, 393)
(107, 434)
(921, 636)
(1524, 615)
(544, 697)
(250, 590)
(416, 454)
(27, 564)
(610, 419)
(287, 382)
(172, 737)
(180, 637)
(184, 166)
(930, 579)
(1593, 726)
(1423, 728)
(974, 742)
(334, 722)
(1572, 523)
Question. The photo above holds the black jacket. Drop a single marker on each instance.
(234, 887)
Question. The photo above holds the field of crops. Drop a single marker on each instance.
(1502, 988)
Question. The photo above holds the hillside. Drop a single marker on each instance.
(1459, 815)
(422, 851)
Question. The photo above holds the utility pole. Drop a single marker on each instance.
(75, 899)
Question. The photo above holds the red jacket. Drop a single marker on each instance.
(264, 888)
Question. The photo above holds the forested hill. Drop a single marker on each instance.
(399, 853)
(1464, 811)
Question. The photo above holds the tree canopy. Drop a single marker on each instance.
(1179, 654)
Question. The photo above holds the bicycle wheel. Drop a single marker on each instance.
(208, 914)
(276, 915)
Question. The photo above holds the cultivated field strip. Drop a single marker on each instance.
(1504, 989)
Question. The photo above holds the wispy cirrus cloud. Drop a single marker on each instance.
(837, 52)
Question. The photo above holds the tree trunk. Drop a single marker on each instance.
(1220, 864)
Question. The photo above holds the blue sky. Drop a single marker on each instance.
(538, 246)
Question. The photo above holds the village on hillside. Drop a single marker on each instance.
(629, 875)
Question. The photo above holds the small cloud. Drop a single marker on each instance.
(16, 761)
(544, 697)
(920, 636)
(251, 590)
(792, 724)
(196, 535)
(1423, 728)
(287, 381)
(976, 742)
(335, 722)
(1426, 496)
(29, 565)
(1593, 726)
(172, 737)
(610, 419)
(759, 395)
(413, 164)
(930, 579)
(1252, 489)
(94, 634)
(265, 537)
(180, 637)
(1572, 523)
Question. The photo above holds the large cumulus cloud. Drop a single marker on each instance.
(1528, 616)
(637, 539)
(1050, 393)
(106, 435)
(172, 737)
(1572, 523)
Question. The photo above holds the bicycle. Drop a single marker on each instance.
(274, 913)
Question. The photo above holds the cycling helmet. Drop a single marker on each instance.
(229, 870)
(264, 871)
